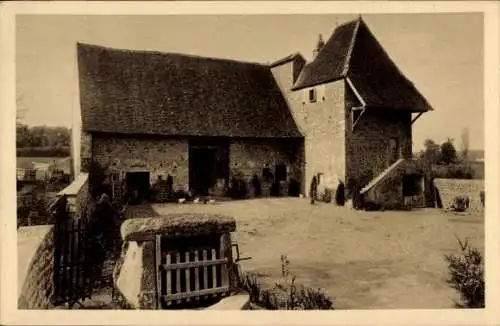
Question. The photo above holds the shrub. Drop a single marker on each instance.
(97, 176)
(238, 188)
(257, 188)
(466, 275)
(460, 204)
(63, 151)
(453, 171)
(327, 195)
(284, 295)
(178, 194)
(275, 189)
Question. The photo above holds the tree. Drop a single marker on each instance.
(20, 107)
(465, 144)
(431, 154)
(448, 152)
(23, 137)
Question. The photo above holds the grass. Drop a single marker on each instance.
(362, 260)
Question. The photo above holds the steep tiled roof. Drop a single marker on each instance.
(353, 52)
(144, 92)
(330, 63)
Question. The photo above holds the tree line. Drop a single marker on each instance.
(42, 140)
(447, 162)
(444, 154)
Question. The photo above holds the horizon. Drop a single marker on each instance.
(440, 53)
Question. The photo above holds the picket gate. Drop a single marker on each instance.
(195, 274)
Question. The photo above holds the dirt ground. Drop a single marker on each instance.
(362, 260)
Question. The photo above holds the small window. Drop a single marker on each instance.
(281, 172)
(394, 150)
(312, 95)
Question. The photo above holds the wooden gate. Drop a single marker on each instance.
(72, 283)
(192, 274)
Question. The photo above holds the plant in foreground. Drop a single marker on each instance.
(466, 275)
(284, 295)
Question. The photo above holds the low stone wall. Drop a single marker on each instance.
(450, 188)
(35, 266)
(77, 194)
(36, 251)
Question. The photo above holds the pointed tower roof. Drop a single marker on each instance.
(353, 52)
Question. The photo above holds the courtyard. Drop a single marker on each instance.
(362, 260)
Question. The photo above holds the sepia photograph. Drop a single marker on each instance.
(326, 161)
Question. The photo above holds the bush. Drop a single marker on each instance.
(238, 188)
(97, 176)
(453, 171)
(257, 187)
(284, 295)
(178, 194)
(327, 195)
(460, 204)
(275, 189)
(466, 275)
(43, 151)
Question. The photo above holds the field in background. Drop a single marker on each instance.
(363, 260)
(62, 163)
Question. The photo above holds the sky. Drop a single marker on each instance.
(442, 54)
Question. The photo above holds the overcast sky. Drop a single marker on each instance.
(441, 53)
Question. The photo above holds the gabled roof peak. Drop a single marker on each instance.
(353, 51)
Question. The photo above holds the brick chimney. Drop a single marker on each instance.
(319, 46)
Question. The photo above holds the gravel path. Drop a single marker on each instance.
(363, 260)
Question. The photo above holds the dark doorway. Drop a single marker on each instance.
(412, 185)
(138, 186)
(202, 169)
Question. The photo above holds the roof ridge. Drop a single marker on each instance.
(285, 59)
(351, 47)
(194, 56)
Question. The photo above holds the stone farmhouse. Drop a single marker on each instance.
(346, 115)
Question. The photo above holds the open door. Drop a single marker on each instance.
(202, 173)
(138, 186)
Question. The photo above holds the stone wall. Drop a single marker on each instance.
(368, 147)
(77, 194)
(159, 156)
(35, 267)
(324, 125)
(321, 122)
(163, 156)
(85, 151)
(250, 157)
(450, 188)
